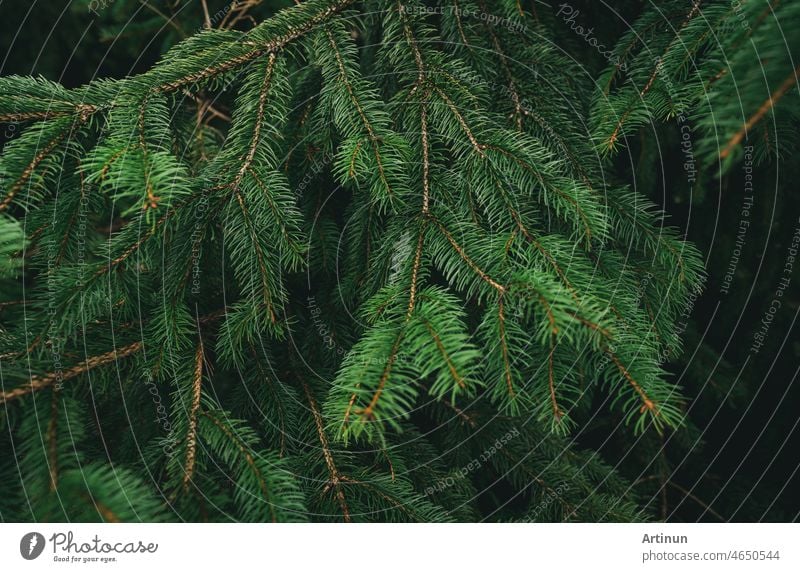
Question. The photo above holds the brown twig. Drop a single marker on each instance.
(460, 250)
(373, 138)
(787, 84)
(26, 174)
(41, 382)
(206, 15)
(336, 478)
(647, 403)
(272, 46)
(52, 440)
(501, 321)
(191, 432)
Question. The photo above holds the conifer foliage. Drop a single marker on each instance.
(391, 283)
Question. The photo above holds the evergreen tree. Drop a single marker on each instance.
(367, 261)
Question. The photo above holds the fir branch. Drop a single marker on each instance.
(41, 382)
(366, 412)
(280, 407)
(412, 42)
(479, 148)
(415, 270)
(82, 111)
(547, 255)
(460, 24)
(531, 169)
(636, 36)
(425, 206)
(266, 288)
(259, 119)
(649, 84)
(448, 360)
(30, 116)
(654, 74)
(467, 254)
(276, 211)
(551, 381)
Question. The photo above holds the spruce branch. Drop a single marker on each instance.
(41, 382)
(336, 478)
(373, 138)
(790, 81)
(310, 15)
(29, 170)
(504, 345)
(259, 119)
(512, 86)
(551, 384)
(647, 403)
(615, 134)
(191, 435)
(462, 253)
(52, 440)
(38, 383)
(250, 461)
(360, 207)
